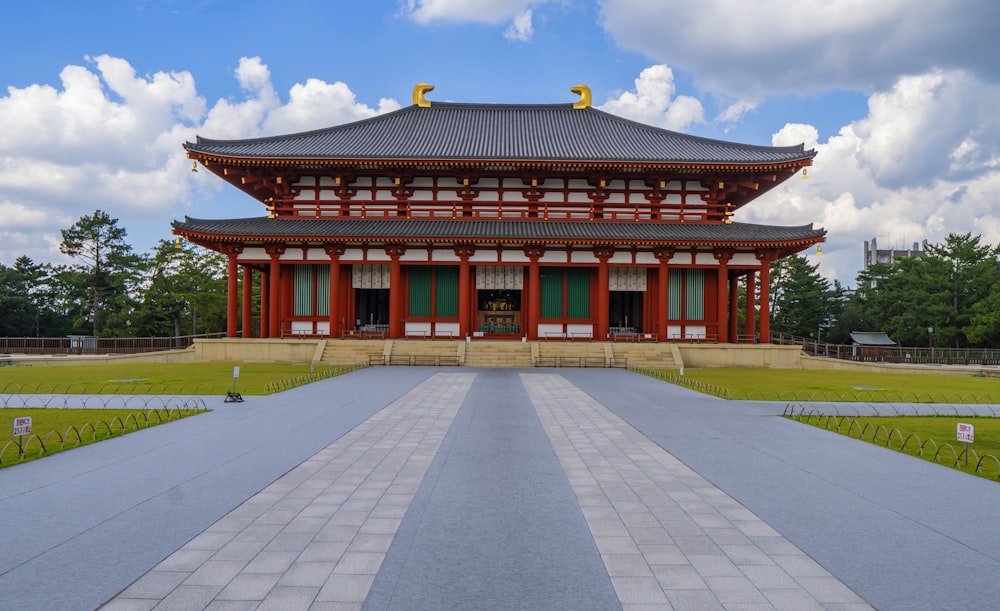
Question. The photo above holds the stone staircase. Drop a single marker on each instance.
(425, 352)
(351, 351)
(651, 355)
(500, 353)
(571, 354)
(489, 353)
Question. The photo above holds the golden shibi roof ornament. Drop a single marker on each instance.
(418, 95)
(586, 99)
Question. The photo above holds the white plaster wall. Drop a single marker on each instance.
(705, 258)
(547, 329)
(484, 256)
(441, 254)
(745, 258)
(681, 258)
(646, 258)
(514, 256)
(446, 328)
(352, 254)
(414, 254)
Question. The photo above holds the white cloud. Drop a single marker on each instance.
(478, 11)
(110, 139)
(654, 101)
(748, 50)
(317, 104)
(922, 164)
(520, 28)
(517, 13)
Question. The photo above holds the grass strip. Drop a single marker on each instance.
(55, 430)
(161, 378)
(853, 386)
(929, 437)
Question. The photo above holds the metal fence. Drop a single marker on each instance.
(86, 344)
(893, 354)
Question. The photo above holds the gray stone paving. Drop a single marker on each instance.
(422, 488)
(669, 538)
(319, 533)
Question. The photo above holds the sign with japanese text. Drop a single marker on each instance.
(966, 432)
(22, 426)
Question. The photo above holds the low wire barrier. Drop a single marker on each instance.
(315, 376)
(861, 396)
(679, 380)
(854, 425)
(157, 412)
(14, 394)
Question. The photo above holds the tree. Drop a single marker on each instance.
(970, 272)
(803, 303)
(18, 315)
(109, 267)
(938, 291)
(185, 292)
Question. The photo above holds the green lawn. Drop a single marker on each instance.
(924, 436)
(157, 378)
(57, 429)
(804, 385)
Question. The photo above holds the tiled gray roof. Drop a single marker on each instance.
(499, 132)
(498, 230)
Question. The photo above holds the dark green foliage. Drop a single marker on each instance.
(950, 289)
(803, 303)
(109, 268)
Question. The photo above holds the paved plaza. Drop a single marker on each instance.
(453, 488)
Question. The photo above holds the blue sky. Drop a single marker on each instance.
(901, 101)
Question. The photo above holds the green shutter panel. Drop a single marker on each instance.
(674, 294)
(578, 292)
(695, 302)
(303, 290)
(420, 290)
(552, 292)
(322, 290)
(446, 295)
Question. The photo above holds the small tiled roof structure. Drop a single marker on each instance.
(500, 132)
(871, 338)
(513, 231)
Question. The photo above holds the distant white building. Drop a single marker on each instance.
(874, 254)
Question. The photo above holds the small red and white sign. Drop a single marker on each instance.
(22, 426)
(966, 432)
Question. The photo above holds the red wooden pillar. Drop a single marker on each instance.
(603, 254)
(721, 294)
(395, 251)
(752, 305)
(231, 289)
(662, 291)
(274, 290)
(534, 254)
(464, 284)
(265, 303)
(335, 251)
(247, 302)
(765, 297)
(734, 286)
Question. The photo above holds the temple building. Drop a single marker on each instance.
(499, 221)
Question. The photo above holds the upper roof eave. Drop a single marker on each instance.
(263, 229)
(453, 133)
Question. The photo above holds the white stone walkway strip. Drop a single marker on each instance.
(316, 537)
(669, 538)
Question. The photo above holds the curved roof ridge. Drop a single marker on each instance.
(500, 132)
